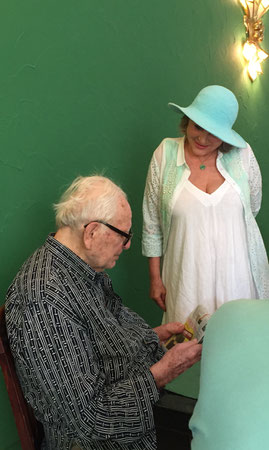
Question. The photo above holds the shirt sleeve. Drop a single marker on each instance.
(74, 389)
(255, 180)
(152, 237)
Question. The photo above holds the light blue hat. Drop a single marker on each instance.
(215, 109)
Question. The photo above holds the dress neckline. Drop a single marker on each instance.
(223, 186)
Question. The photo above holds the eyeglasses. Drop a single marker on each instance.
(127, 236)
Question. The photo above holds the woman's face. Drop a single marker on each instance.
(199, 141)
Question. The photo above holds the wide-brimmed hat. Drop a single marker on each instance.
(214, 109)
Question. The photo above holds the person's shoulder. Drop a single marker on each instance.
(35, 270)
(173, 140)
(246, 155)
(169, 143)
(24, 286)
(246, 149)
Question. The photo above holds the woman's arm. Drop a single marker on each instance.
(255, 181)
(157, 289)
(152, 238)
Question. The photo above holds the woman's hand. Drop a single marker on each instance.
(157, 289)
(158, 292)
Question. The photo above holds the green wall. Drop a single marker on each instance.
(84, 87)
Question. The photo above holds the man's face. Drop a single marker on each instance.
(108, 244)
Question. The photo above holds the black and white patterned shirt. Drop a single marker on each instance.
(82, 357)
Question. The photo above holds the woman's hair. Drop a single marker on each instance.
(88, 199)
(224, 147)
(183, 124)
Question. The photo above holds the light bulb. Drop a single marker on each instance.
(262, 55)
(265, 3)
(249, 50)
(254, 10)
(252, 72)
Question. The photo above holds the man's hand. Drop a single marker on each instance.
(178, 359)
(164, 332)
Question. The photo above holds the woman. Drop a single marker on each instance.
(201, 196)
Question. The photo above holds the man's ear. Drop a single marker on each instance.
(90, 233)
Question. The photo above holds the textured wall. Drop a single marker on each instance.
(84, 86)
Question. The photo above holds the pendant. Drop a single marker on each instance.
(202, 167)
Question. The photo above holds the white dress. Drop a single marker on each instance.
(208, 248)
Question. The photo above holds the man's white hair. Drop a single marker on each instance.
(88, 199)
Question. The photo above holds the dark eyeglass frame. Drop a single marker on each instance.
(128, 236)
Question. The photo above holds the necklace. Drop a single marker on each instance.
(202, 161)
(202, 165)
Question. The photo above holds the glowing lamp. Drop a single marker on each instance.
(252, 52)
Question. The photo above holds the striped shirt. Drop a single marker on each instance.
(82, 357)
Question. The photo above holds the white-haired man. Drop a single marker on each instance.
(91, 368)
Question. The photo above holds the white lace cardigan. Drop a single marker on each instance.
(167, 175)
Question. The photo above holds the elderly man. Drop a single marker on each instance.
(91, 368)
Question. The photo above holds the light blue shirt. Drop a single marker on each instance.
(232, 409)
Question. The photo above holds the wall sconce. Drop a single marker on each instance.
(254, 10)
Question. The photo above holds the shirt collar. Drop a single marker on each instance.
(181, 153)
(70, 260)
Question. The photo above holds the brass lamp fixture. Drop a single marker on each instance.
(254, 10)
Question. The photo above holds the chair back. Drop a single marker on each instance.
(30, 431)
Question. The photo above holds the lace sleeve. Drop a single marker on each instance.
(255, 181)
(152, 233)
